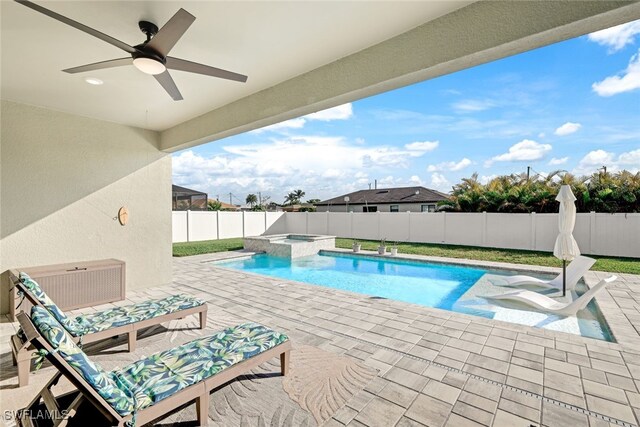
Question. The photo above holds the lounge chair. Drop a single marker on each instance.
(151, 387)
(549, 305)
(575, 270)
(103, 324)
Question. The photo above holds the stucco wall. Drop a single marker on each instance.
(63, 179)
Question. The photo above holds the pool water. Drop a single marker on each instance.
(435, 285)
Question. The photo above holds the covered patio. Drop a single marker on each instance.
(73, 155)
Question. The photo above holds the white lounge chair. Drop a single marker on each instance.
(575, 270)
(546, 304)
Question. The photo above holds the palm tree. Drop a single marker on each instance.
(601, 192)
(251, 199)
(299, 194)
(294, 197)
(214, 205)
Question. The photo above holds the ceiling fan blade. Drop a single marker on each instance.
(79, 26)
(171, 32)
(100, 65)
(194, 67)
(169, 85)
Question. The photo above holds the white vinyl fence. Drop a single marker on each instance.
(596, 233)
(193, 226)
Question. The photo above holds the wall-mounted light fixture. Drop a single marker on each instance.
(123, 215)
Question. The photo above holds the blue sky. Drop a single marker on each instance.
(574, 106)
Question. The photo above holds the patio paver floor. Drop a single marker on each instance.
(435, 367)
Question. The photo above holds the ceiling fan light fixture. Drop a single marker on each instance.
(150, 56)
(149, 65)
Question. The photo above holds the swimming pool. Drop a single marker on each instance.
(443, 286)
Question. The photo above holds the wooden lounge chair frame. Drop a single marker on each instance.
(198, 392)
(22, 355)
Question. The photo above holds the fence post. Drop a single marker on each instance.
(217, 225)
(592, 231)
(483, 236)
(306, 222)
(378, 213)
(265, 222)
(327, 222)
(409, 226)
(444, 227)
(350, 225)
(532, 236)
(188, 226)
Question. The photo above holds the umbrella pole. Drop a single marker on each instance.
(564, 277)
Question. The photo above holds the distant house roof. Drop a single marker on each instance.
(185, 199)
(183, 191)
(388, 195)
(296, 208)
(224, 205)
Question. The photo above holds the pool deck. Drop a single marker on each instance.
(436, 367)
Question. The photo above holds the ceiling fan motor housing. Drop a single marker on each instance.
(148, 53)
(149, 28)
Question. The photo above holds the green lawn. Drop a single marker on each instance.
(610, 264)
(207, 247)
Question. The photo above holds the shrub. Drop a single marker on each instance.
(600, 192)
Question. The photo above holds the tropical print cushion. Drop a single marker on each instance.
(163, 374)
(69, 324)
(120, 316)
(63, 344)
(111, 318)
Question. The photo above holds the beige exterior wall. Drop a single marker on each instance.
(63, 179)
(382, 207)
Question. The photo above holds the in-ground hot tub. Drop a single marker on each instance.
(290, 245)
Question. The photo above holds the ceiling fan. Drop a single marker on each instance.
(150, 56)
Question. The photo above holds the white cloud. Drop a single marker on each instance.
(449, 166)
(484, 179)
(332, 173)
(542, 135)
(595, 159)
(632, 158)
(567, 129)
(558, 161)
(321, 166)
(523, 151)
(341, 112)
(592, 161)
(422, 147)
(616, 37)
(473, 105)
(625, 82)
(389, 181)
(439, 181)
(416, 180)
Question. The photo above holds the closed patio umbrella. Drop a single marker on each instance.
(566, 247)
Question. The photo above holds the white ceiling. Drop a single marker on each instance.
(270, 41)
